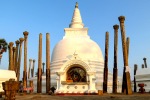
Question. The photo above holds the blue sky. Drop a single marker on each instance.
(42, 16)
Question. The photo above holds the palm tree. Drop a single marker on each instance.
(3, 47)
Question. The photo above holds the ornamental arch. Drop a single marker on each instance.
(71, 63)
(76, 73)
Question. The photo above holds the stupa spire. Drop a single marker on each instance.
(76, 21)
(76, 6)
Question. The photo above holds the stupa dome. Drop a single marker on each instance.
(83, 46)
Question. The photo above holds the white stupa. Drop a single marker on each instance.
(74, 52)
(77, 62)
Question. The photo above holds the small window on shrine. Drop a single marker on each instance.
(76, 74)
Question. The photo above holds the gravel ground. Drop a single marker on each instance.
(136, 96)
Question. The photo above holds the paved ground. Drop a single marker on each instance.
(136, 96)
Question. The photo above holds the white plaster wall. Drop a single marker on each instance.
(5, 75)
(73, 89)
(142, 77)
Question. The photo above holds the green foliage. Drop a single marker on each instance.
(3, 45)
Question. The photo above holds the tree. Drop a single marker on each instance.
(3, 47)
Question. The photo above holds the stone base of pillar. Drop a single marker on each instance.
(128, 82)
(104, 87)
(115, 73)
(48, 86)
(124, 86)
(39, 81)
(24, 82)
(0, 94)
(100, 92)
(105, 80)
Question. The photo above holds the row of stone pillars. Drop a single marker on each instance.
(31, 68)
(15, 61)
(126, 83)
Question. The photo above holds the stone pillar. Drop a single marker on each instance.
(115, 70)
(126, 87)
(48, 78)
(16, 60)
(124, 74)
(11, 55)
(43, 67)
(19, 59)
(30, 62)
(145, 62)
(32, 71)
(39, 76)
(106, 63)
(142, 65)
(135, 69)
(25, 59)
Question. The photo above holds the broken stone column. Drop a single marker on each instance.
(10, 87)
(43, 67)
(106, 63)
(19, 59)
(48, 78)
(25, 60)
(39, 76)
(145, 62)
(30, 62)
(135, 69)
(142, 65)
(11, 55)
(115, 70)
(16, 60)
(126, 79)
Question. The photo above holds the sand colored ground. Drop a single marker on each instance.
(135, 96)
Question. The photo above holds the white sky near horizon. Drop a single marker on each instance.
(99, 16)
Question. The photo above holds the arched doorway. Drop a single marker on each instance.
(76, 74)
